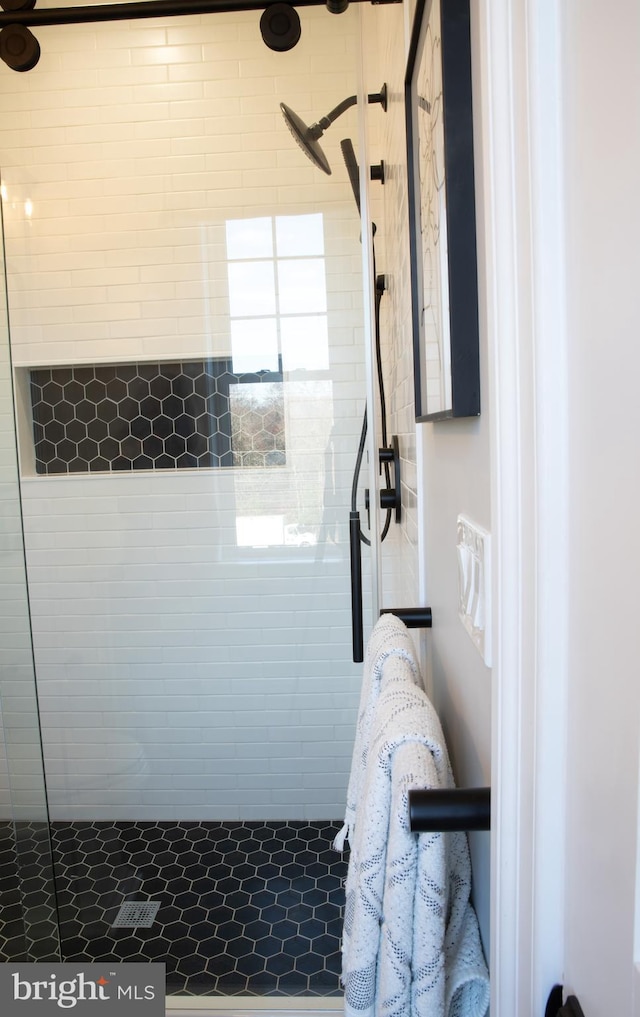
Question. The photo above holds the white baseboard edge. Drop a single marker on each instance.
(253, 1006)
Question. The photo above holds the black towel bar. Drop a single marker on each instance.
(450, 809)
(413, 617)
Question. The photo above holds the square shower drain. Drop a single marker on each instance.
(136, 914)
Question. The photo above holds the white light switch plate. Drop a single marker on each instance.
(474, 583)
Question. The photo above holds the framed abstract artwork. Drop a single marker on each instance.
(442, 226)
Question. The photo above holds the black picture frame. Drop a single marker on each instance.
(442, 213)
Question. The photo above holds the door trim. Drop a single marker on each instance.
(524, 250)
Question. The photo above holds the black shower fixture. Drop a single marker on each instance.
(280, 27)
(307, 137)
(280, 24)
(19, 48)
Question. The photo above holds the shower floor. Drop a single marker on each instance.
(252, 908)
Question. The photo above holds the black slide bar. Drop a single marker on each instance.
(143, 9)
(443, 811)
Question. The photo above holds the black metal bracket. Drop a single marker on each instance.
(376, 171)
(446, 810)
(413, 617)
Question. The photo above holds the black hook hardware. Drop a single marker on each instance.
(449, 809)
(413, 617)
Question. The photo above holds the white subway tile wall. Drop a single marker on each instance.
(22, 795)
(10, 580)
(385, 58)
(184, 673)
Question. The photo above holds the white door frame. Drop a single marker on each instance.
(523, 202)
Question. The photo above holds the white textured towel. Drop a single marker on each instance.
(389, 637)
(411, 946)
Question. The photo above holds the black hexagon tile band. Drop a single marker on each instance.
(160, 416)
(244, 907)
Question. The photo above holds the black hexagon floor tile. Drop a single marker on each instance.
(245, 908)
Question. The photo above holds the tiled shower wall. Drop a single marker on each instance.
(387, 30)
(20, 752)
(10, 523)
(182, 674)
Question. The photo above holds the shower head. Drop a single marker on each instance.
(307, 137)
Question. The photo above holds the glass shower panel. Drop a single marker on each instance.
(186, 309)
(28, 918)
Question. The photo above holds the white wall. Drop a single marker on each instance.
(602, 167)
(455, 465)
(181, 676)
(445, 466)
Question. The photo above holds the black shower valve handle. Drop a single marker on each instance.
(386, 455)
(388, 500)
(390, 497)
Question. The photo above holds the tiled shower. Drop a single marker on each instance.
(183, 377)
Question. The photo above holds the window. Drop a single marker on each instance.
(278, 293)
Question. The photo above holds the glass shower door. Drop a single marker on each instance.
(188, 341)
(28, 916)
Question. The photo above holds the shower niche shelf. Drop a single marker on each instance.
(107, 418)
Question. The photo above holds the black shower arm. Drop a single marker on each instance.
(144, 9)
(317, 130)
